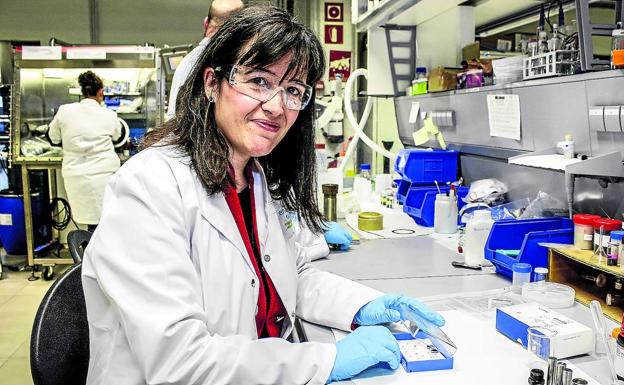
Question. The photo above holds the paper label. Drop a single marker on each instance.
(42, 53)
(504, 116)
(605, 240)
(6, 220)
(414, 112)
(86, 53)
(588, 237)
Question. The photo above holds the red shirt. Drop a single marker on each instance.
(271, 311)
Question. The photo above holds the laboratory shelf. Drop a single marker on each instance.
(567, 265)
(608, 165)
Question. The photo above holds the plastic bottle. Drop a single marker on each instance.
(322, 161)
(363, 184)
(477, 232)
(445, 215)
(521, 274)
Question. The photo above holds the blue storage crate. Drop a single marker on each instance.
(423, 167)
(136, 133)
(420, 203)
(524, 235)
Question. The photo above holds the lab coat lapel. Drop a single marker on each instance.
(283, 273)
(216, 211)
(261, 193)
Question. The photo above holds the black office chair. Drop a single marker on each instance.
(77, 241)
(59, 343)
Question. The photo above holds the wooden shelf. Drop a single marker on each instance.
(567, 265)
(587, 257)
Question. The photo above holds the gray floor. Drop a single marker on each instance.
(19, 300)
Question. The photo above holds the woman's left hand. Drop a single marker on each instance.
(338, 236)
(387, 309)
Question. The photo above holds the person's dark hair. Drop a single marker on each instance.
(90, 83)
(254, 36)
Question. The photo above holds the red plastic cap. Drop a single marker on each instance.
(319, 145)
(585, 219)
(607, 224)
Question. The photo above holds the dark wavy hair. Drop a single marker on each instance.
(254, 36)
(90, 83)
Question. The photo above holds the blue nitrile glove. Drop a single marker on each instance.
(386, 309)
(363, 348)
(337, 235)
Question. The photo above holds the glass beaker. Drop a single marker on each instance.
(541, 341)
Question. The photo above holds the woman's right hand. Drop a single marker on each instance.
(363, 348)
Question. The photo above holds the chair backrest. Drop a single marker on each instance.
(77, 241)
(59, 343)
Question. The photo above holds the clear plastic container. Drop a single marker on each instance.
(362, 184)
(445, 214)
(521, 275)
(540, 274)
(551, 294)
(602, 234)
(477, 232)
(584, 230)
(541, 341)
(614, 247)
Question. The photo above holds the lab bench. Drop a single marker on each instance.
(421, 267)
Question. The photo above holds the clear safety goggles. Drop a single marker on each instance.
(261, 85)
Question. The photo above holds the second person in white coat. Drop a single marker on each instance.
(87, 131)
(194, 275)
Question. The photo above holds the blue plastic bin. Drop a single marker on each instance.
(524, 235)
(425, 166)
(136, 133)
(12, 223)
(420, 203)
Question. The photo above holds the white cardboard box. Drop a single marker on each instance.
(573, 338)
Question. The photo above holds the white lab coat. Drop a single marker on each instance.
(171, 293)
(182, 73)
(87, 131)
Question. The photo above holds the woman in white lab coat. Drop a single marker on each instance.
(196, 273)
(87, 131)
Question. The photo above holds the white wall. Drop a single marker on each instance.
(440, 40)
(121, 22)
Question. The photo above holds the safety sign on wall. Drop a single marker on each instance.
(333, 34)
(333, 12)
(339, 63)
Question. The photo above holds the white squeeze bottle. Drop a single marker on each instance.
(477, 232)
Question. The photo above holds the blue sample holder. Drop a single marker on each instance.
(420, 202)
(426, 365)
(524, 235)
(422, 167)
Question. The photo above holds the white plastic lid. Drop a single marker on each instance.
(482, 214)
(540, 270)
(551, 294)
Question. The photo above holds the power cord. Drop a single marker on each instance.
(63, 211)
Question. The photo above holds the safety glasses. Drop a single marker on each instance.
(261, 85)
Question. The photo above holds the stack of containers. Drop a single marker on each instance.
(584, 231)
(602, 233)
(419, 171)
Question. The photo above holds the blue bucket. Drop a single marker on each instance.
(12, 223)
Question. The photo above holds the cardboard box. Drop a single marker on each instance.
(442, 79)
(573, 338)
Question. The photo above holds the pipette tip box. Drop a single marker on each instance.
(572, 338)
(425, 365)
